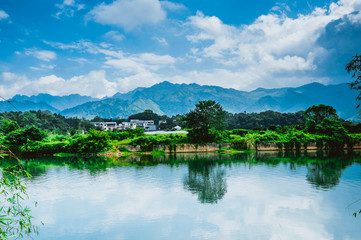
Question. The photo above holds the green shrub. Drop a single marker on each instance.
(37, 147)
(240, 132)
(20, 137)
(146, 143)
(94, 141)
(9, 126)
(239, 143)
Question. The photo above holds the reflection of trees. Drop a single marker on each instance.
(323, 176)
(206, 180)
(325, 172)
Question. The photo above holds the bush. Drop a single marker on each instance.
(94, 141)
(43, 147)
(264, 137)
(129, 133)
(20, 137)
(240, 132)
(239, 143)
(334, 134)
(146, 143)
(202, 135)
(9, 126)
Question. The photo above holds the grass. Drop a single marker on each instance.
(158, 153)
(229, 151)
(64, 154)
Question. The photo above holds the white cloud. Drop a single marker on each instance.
(3, 15)
(171, 6)
(81, 61)
(114, 35)
(43, 55)
(274, 51)
(43, 67)
(142, 78)
(128, 14)
(68, 8)
(225, 37)
(152, 58)
(79, 45)
(161, 40)
(94, 84)
(273, 44)
(136, 64)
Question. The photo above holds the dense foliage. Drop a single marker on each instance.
(205, 122)
(354, 67)
(15, 219)
(46, 120)
(290, 131)
(263, 120)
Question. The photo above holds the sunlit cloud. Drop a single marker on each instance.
(95, 84)
(68, 8)
(43, 55)
(114, 35)
(128, 14)
(3, 15)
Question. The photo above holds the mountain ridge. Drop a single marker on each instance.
(171, 99)
(58, 102)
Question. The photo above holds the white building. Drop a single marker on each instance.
(147, 125)
(106, 125)
(177, 128)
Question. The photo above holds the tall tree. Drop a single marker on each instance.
(354, 67)
(315, 114)
(208, 116)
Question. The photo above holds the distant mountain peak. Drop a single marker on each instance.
(56, 102)
(173, 98)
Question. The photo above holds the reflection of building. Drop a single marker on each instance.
(147, 125)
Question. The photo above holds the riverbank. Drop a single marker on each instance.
(227, 147)
(31, 141)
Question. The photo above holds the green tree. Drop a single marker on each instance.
(15, 219)
(9, 126)
(205, 121)
(20, 137)
(335, 134)
(146, 115)
(354, 67)
(97, 119)
(315, 114)
(93, 142)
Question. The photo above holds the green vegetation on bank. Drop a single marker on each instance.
(205, 124)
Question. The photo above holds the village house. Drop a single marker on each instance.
(147, 125)
(106, 125)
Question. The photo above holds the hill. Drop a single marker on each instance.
(12, 106)
(111, 108)
(180, 98)
(60, 103)
(171, 99)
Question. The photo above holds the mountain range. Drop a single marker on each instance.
(171, 99)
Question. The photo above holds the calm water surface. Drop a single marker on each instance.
(198, 196)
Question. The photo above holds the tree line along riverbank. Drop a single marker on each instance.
(206, 125)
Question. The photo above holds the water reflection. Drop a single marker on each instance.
(256, 196)
(205, 180)
(206, 172)
(326, 172)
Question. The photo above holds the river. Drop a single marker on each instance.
(198, 196)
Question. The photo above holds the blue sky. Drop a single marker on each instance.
(98, 48)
